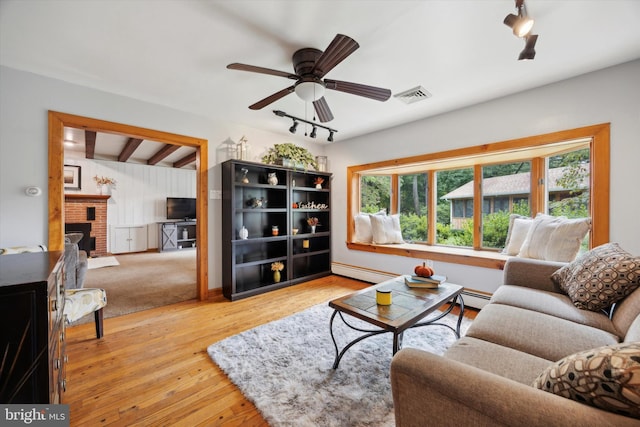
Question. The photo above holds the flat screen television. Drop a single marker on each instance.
(181, 208)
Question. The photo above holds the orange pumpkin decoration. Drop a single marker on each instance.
(423, 270)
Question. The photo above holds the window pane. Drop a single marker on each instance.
(453, 227)
(506, 189)
(375, 193)
(413, 207)
(568, 188)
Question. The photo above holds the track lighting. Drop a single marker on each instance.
(529, 51)
(521, 24)
(314, 131)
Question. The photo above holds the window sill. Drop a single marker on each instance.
(486, 259)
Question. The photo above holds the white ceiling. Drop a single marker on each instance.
(175, 52)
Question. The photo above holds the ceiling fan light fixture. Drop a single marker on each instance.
(529, 51)
(309, 91)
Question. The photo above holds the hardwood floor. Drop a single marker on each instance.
(152, 367)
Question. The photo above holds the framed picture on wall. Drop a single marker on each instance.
(72, 177)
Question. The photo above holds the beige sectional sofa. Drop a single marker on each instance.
(487, 377)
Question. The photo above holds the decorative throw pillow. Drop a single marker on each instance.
(554, 238)
(518, 230)
(600, 277)
(565, 241)
(363, 227)
(538, 236)
(386, 229)
(605, 377)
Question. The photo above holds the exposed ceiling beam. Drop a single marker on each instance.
(90, 143)
(162, 153)
(185, 160)
(131, 146)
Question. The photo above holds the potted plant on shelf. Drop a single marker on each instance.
(290, 155)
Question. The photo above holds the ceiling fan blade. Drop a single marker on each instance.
(262, 70)
(340, 47)
(272, 98)
(322, 110)
(377, 93)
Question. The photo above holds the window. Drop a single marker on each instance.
(463, 198)
(375, 193)
(505, 190)
(412, 206)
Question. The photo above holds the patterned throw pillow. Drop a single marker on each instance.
(600, 277)
(605, 377)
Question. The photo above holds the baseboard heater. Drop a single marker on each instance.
(471, 297)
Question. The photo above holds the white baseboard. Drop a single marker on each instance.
(471, 298)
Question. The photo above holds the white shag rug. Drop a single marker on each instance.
(105, 261)
(285, 368)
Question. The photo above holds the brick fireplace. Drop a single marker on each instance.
(88, 211)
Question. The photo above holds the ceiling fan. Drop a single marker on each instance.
(310, 67)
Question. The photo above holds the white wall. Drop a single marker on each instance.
(610, 95)
(24, 103)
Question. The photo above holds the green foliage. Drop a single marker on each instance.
(292, 152)
(414, 227)
(375, 193)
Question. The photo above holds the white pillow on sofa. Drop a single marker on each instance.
(386, 229)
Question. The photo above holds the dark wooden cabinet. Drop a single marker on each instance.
(251, 199)
(32, 334)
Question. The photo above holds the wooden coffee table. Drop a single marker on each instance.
(409, 306)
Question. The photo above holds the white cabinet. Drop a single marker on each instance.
(128, 238)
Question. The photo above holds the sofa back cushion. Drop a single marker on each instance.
(626, 313)
(633, 333)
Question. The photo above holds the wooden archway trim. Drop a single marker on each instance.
(58, 121)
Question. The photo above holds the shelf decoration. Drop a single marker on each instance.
(277, 267)
(104, 184)
(318, 182)
(313, 223)
(244, 178)
(312, 205)
(257, 203)
(300, 157)
(272, 178)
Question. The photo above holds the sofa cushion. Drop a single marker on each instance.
(600, 277)
(536, 333)
(497, 359)
(606, 377)
(552, 303)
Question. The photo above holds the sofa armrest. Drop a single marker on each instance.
(434, 390)
(531, 273)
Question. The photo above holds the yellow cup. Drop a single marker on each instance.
(383, 297)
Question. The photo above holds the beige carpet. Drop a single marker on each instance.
(145, 280)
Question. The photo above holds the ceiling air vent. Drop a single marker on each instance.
(410, 96)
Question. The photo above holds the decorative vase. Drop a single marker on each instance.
(243, 233)
(185, 234)
(276, 276)
(318, 186)
(274, 230)
(104, 189)
(313, 229)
